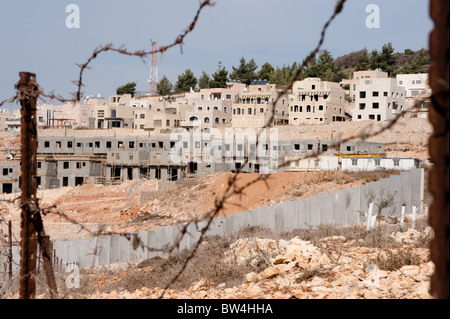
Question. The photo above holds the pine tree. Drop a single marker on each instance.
(186, 81)
(203, 81)
(267, 71)
(128, 88)
(164, 86)
(219, 79)
(245, 72)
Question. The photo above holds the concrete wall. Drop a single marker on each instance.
(341, 207)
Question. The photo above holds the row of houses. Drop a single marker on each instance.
(108, 159)
(368, 96)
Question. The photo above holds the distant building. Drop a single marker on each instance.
(416, 87)
(377, 99)
(313, 101)
(254, 106)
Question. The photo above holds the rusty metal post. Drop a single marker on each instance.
(439, 147)
(10, 249)
(28, 93)
(32, 228)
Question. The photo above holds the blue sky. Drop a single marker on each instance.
(34, 37)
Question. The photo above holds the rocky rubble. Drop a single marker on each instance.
(299, 269)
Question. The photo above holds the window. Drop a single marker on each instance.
(65, 165)
(377, 162)
(401, 82)
(79, 144)
(228, 97)
(385, 94)
(249, 111)
(308, 108)
(58, 144)
(160, 144)
(371, 117)
(97, 144)
(359, 117)
(310, 147)
(376, 105)
(320, 107)
(69, 144)
(142, 116)
(375, 93)
(313, 87)
(5, 171)
(362, 106)
(39, 165)
(354, 162)
(297, 147)
(396, 162)
(120, 144)
(101, 113)
(362, 94)
(131, 144)
(108, 144)
(239, 147)
(167, 122)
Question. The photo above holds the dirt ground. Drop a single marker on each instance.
(118, 207)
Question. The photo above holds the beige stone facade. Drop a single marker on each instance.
(313, 101)
(254, 106)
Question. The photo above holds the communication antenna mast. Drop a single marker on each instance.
(153, 80)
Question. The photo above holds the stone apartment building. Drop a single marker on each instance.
(313, 101)
(416, 87)
(254, 106)
(377, 99)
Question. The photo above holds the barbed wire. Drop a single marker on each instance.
(232, 187)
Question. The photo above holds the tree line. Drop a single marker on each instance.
(324, 67)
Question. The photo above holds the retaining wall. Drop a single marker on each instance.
(341, 207)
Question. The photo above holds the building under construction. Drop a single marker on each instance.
(72, 161)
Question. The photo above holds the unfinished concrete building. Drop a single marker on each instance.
(109, 159)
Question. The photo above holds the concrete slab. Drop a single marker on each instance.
(314, 211)
(104, 250)
(417, 188)
(229, 229)
(290, 214)
(352, 205)
(302, 213)
(239, 221)
(72, 251)
(114, 249)
(326, 208)
(280, 217)
(124, 249)
(340, 207)
(152, 241)
(405, 190)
